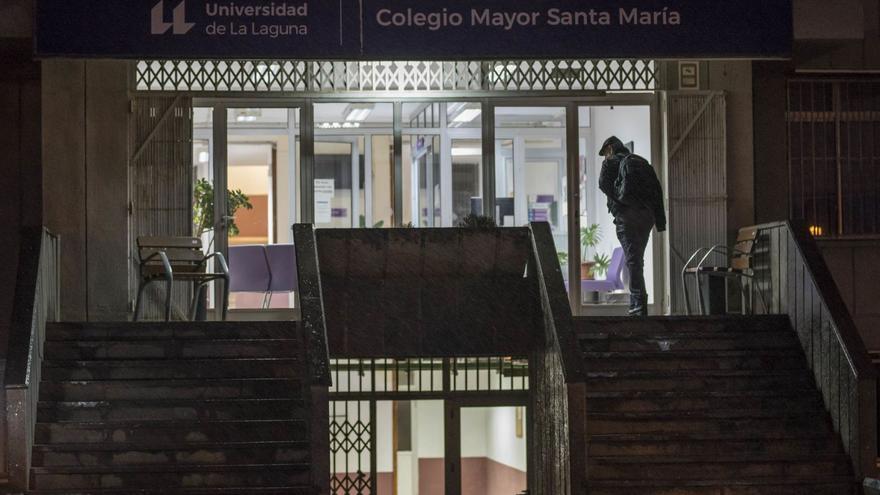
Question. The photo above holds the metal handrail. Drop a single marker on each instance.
(798, 283)
(37, 301)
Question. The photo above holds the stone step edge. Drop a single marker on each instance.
(158, 468)
(787, 481)
(103, 404)
(809, 392)
(743, 459)
(196, 382)
(239, 490)
(710, 373)
(175, 447)
(183, 361)
(702, 415)
(163, 423)
(706, 437)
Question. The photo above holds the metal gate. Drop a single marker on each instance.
(696, 179)
(359, 383)
(160, 185)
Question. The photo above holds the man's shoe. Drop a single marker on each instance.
(638, 311)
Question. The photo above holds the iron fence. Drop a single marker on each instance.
(37, 301)
(791, 278)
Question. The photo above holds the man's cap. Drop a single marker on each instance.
(615, 143)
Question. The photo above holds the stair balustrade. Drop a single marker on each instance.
(791, 278)
(36, 301)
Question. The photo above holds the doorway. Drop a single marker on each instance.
(429, 426)
(409, 162)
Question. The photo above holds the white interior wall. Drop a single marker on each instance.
(503, 446)
(428, 427)
(474, 432)
(384, 436)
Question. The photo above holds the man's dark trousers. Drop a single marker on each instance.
(634, 226)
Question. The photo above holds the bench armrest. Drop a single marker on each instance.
(169, 272)
(221, 260)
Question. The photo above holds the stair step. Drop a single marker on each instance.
(700, 468)
(770, 405)
(273, 475)
(171, 349)
(706, 381)
(162, 434)
(219, 454)
(227, 388)
(222, 490)
(168, 410)
(271, 367)
(794, 425)
(682, 324)
(673, 342)
(695, 360)
(660, 445)
(838, 485)
(152, 331)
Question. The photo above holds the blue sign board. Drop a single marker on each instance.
(407, 29)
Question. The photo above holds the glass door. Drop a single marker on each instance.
(442, 176)
(354, 157)
(605, 279)
(245, 189)
(262, 160)
(530, 170)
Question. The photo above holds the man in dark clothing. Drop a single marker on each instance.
(635, 199)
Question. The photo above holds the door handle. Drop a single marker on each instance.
(227, 219)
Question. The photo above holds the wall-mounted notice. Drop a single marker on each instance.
(324, 190)
(411, 29)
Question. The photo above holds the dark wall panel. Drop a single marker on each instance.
(771, 160)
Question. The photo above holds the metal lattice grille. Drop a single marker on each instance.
(351, 447)
(368, 76)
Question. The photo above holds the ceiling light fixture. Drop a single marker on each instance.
(358, 112)
(467, 115)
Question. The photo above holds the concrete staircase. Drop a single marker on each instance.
(173, 408)
(705, 406)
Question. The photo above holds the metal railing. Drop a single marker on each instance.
(792, 279)
(37, 301)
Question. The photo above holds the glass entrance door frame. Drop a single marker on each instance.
(306, 134)
(219, 143)
(650, 99)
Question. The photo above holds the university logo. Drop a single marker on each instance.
(178, 22)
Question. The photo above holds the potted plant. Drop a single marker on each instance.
(562, 257)
(601, 262)
(590, 237)
(203, 208)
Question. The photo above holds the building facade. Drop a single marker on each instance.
(103, 150)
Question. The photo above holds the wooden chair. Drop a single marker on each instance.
(181, 259)
(739, 264)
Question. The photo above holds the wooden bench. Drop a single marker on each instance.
(180, 259)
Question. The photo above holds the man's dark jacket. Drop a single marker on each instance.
(650, 193)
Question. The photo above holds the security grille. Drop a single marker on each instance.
(696, 181)
(359, 383)
(352, 444)
(368, 76)
(833, 155)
